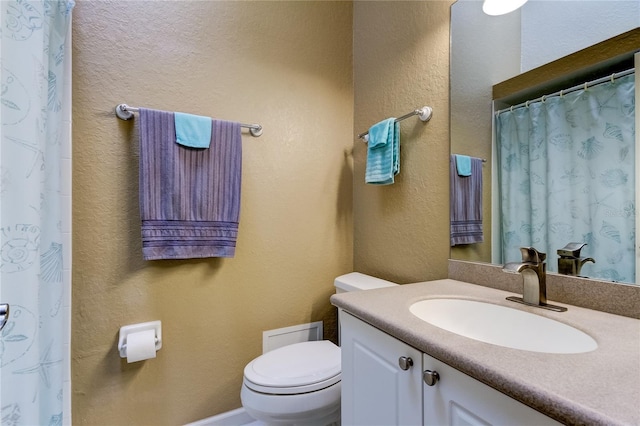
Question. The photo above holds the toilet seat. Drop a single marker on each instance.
(295, 369)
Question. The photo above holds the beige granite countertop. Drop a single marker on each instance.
(598, 387)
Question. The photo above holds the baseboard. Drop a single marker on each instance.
(237, 417)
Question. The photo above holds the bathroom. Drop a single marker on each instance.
(293, 67)
(313, 74)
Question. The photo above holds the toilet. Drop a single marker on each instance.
(300, 383)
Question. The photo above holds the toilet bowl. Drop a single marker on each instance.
(300, 383)
(295, 384)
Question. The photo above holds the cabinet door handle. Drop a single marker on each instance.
(430, 377)
(405, 362)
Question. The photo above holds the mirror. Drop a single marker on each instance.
(486, 50)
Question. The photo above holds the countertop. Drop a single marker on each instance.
(598, 387)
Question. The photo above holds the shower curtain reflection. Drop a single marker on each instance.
(567, 174)
(32, 343)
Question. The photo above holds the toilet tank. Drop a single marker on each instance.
(355, 281)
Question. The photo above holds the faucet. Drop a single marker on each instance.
(534, 276)
(570, 262)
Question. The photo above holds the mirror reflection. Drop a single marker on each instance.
(486, 50)
(566, 174)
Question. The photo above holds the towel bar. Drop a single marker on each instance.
(484, 160)
(125, 112)
(423, 113)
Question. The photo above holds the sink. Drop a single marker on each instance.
(503, 326)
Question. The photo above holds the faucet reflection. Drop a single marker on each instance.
(534, 276)
(570, 262)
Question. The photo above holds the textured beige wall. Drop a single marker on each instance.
(286, 65)
(401, 62)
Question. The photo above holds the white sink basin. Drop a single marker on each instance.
(503, 326)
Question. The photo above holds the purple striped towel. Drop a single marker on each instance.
(189, 198)
(466, 203)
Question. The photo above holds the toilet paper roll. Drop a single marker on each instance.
(141, 345)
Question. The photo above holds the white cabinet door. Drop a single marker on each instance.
(457, 399)
(375, 389)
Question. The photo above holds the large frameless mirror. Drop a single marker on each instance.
(487, 50)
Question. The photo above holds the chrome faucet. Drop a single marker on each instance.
(534, 276)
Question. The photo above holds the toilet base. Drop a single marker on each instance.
(320, 408)
(333, 419)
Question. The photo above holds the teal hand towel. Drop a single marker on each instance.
(463, 165)
(192, 130)
(383, 152)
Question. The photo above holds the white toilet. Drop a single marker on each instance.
(300, 383)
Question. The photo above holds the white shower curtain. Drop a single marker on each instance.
(31, 253)
(567, 174)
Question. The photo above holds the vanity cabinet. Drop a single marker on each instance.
(376, 389)
(458, 399)
(387, 382)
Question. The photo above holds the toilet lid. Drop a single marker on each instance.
(297, 368)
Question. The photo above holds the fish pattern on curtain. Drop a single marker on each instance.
(567, 174)
(31, 253)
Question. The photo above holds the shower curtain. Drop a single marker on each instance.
(566, 174)
(31, 254)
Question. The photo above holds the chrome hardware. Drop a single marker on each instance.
(430, 377)
(542, 305)
(533, 271)
(534, 276)
(125, 112)
(405, 363)
(423, 113)
(4, 314)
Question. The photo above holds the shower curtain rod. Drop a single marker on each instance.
(563, 92)
(125, 112)
(423, 113)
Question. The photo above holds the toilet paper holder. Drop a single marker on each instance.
(136, 328)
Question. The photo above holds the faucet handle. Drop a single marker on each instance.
(571, 250)
(530, 254)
